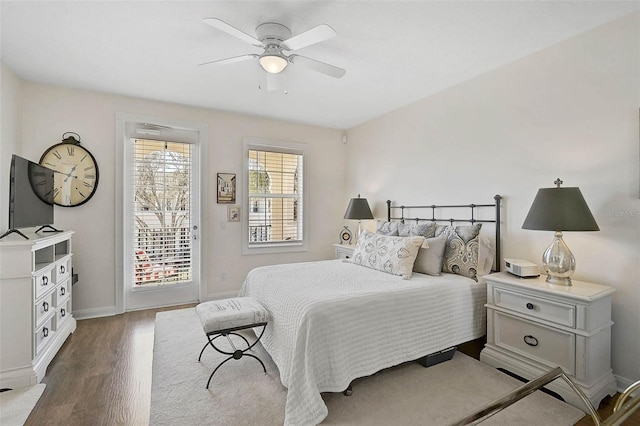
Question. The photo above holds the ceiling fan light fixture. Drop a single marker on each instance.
(273, 64)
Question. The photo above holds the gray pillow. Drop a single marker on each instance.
(426, 229)
(429, 260)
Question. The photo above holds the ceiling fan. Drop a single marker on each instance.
(277, 42)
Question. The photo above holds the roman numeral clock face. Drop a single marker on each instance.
(76, 173)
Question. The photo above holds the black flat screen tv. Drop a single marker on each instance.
(31, 188)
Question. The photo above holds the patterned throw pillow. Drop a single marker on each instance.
(461, 252)
(391, 254)
(427, 229)
(387, 228)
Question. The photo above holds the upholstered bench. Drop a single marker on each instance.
(225, 317)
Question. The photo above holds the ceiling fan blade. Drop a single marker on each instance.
(235, 59)
(315, 35)
(319, 66)
(223, 26)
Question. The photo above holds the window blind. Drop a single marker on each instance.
(161, 206)
(275, 195)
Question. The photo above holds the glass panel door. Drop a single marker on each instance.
(162, 224)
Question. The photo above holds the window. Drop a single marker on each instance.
(274, 179)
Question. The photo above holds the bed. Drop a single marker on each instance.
(334, 321)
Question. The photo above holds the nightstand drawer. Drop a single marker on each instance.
(343, 251)
(548, 310)
(547, 345)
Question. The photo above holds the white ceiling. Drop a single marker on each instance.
(394, 52)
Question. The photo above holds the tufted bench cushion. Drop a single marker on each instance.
(231, 314)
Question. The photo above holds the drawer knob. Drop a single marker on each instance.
(62, 269)
(45, 307)
(530, 340)
(63, 312)
(63, 291)
(530, 306)
(45, 332)
(45, 280)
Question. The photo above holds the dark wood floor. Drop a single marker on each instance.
(102, 375)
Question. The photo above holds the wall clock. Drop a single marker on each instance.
(76, 171)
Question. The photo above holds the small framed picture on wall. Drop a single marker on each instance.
(233, 214)
(226, 188)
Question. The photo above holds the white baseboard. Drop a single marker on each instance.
(107, 311)
(623, 383)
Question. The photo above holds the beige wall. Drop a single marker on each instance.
(47, 112)
(569, 111)
(10, 99)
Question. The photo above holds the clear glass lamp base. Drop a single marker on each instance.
(558, 262)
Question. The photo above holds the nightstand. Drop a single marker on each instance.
(344, 251)
(533, 326)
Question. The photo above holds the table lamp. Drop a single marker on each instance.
(559, 209)
(358, 209)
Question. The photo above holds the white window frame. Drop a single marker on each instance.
(251, 143)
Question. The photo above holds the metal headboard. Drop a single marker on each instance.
(472, 219)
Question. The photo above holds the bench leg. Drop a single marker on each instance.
(236, 354)
(219, 335)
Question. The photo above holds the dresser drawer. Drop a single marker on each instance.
(63, 292)
(547, 345)
(43, 335)
(63, 269)
(545, 309)
(42, 308)
(63, 312)
(43, 281)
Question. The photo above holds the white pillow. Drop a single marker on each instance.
(394, 255)
(485, 256)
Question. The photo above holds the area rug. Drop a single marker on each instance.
(16, 404)
(409, 394)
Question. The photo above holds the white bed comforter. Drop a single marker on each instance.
(334, 321)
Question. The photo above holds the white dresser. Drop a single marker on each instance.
(533, 326)
(35, 304)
